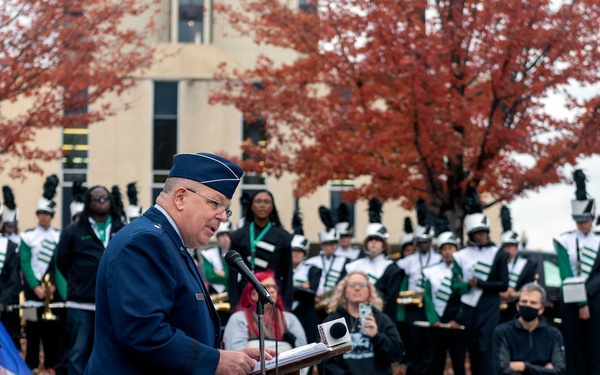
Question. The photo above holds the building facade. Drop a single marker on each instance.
(169, 113)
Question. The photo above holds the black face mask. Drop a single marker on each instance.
(528, 313)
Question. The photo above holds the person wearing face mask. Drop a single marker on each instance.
(528, 344)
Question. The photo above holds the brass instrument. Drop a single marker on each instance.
(410, 297)
(221, 301)
(46, 284)
(513, 297)
(323, 303)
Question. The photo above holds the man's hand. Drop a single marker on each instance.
(254, 353)
(453, 324)
(220, 273)
(517, 366)
(584, 312)
(234, 362)
(549, 366)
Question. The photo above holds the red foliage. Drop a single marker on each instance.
(423, 99)
(60, 56)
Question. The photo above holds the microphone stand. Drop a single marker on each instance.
(260, 312)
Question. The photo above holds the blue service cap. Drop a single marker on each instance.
(211, 170)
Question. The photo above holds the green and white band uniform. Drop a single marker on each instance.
(437, 290)
(576, 254)
(39, 245)
(374, 268)
(331, 270)
(413, 266)
(515, 268)
(472, 262)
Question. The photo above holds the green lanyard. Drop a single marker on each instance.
(254, 241)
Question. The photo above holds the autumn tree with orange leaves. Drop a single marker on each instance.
(61, 57)
(422, 97)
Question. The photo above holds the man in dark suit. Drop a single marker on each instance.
(153, 312)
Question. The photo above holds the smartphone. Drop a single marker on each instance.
(364, 310)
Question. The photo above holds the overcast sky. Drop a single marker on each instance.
(547, 213)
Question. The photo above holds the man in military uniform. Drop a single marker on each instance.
(578, 263)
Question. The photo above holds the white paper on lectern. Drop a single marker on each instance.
(293, 355)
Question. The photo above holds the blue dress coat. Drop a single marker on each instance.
(153, 312)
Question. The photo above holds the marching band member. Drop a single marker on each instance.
(482, 269)
(263, 244)
(345, 232)
(577, 252)
(442, 305)
(10, 286)
(329, 268)
(306, 282)
(383, 273)
(521, 271)
(37, 255)
(418, 353)
(214, 264)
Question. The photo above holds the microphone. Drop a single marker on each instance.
(334, 332)
(234, 260)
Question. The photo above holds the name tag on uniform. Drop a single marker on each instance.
(199, 297)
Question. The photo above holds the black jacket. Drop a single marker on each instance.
(279, 260)
(78, 256)
(372, 356)
(10, 280)
(537, 348)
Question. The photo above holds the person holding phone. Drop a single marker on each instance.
(376, 343)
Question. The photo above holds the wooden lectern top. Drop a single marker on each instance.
(294, 368)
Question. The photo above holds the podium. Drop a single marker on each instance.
(294, 367)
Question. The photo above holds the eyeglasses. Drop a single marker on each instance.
(219, 206)
(270, 286)
(360, 285)
(101, 199)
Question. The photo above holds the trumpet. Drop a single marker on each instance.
(221, 301)
(410, 297)
(46, 284)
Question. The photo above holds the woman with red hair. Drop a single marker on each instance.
(241, 330)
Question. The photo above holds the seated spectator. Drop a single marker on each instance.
(527, 344)
(241, 330)
(376, 344)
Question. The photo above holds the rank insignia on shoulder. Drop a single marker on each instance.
(157, 226)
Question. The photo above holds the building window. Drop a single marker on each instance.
(164, 136)
(308, 6)
(74, 149)
(191, 21)
(335, 197)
